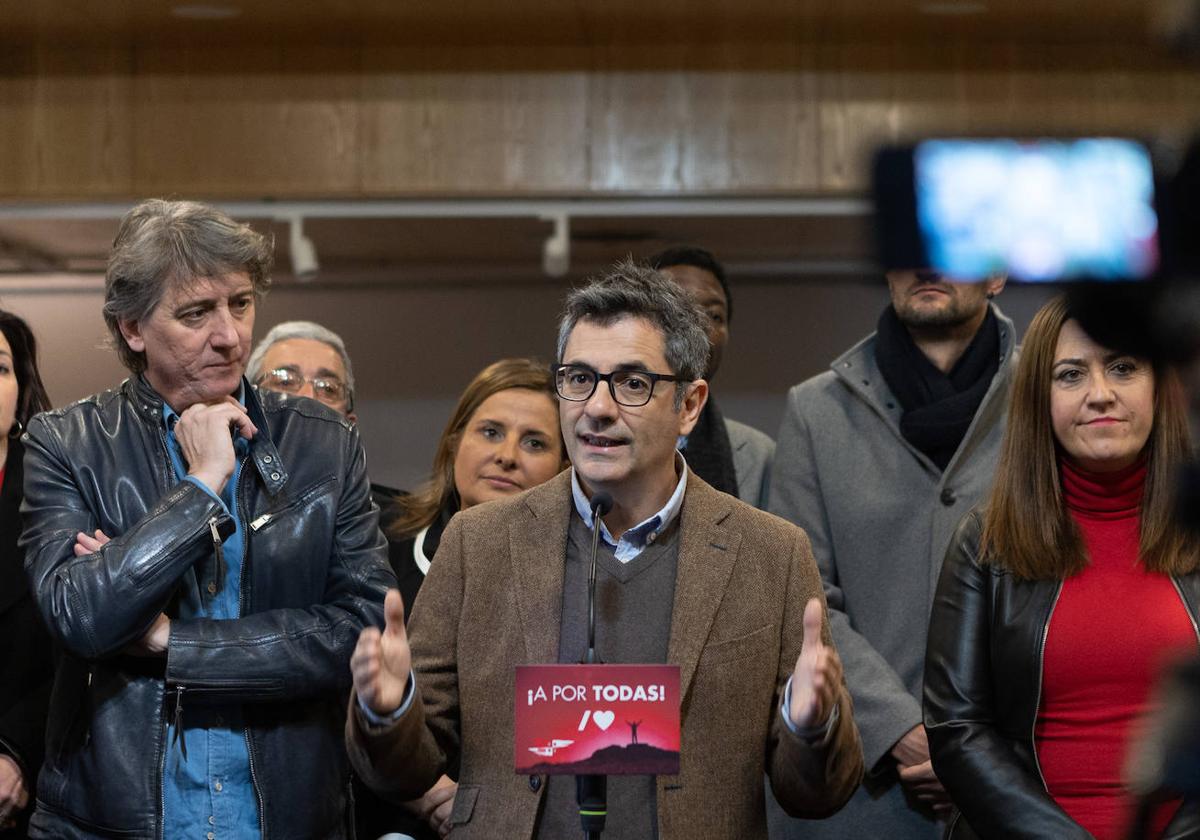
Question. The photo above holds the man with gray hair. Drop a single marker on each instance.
(305, 359)
(205, 554)
(687, 576)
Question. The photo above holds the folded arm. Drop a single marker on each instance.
(98, 604)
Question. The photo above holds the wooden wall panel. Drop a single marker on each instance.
(704, 131)
(64, 127)
(265, 122)
(635, 138)
(507, 132)
(871, 94)
(858, 108)
(295, 121)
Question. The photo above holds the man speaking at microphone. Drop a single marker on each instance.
(687, 576)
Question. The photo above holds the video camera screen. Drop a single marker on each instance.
(1039, 211)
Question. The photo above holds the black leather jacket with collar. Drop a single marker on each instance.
(314, 574)
(983, 681)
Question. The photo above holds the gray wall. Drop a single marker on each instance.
(414, 348)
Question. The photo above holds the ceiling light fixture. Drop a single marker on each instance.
(556, 250)
(205, 11)
(303, 252)
(949, 8)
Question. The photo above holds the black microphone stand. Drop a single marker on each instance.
(591, 791)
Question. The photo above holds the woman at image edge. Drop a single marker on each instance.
(502, 438)
(26, 661)
(1060, 603)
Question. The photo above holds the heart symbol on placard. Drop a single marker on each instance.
(603, 720)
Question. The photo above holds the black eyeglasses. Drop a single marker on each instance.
(628, 387)
(327, 389)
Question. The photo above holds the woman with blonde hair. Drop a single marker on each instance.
(1060, 602)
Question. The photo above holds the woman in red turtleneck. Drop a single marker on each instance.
(1059, 605)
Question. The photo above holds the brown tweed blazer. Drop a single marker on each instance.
(493, 600)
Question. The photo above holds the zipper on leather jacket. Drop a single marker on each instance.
(1186, 607)
(1037, 703)
(87, 700)
(161, 755)
(179, 735)
(219, 553)
(239, 500)
(262, 520)
(262, 813)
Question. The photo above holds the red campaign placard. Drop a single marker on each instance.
(612, 720)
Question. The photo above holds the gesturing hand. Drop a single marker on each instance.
(204, 439)
(817, 679)
(381, 661)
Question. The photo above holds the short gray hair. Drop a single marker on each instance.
(301, 329)
(632, 290)
(163, 242)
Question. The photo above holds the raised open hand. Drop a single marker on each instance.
(381, 662)
(817, 679)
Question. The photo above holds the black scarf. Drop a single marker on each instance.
(708, 453)
(938, 407)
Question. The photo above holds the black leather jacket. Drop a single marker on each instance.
(314, 574)
(983, 683)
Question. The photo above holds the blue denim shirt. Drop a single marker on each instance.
(210, 793)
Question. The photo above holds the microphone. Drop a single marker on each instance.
(591, 792)
(601, 504)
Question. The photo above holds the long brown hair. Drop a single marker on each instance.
(421, 507)
(1027, 529)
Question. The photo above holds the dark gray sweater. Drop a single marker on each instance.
(633, 625)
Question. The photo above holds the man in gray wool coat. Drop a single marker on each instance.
(878, 459)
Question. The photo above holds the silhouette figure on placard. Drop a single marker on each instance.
(634, 725)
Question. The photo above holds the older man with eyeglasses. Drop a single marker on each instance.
(305, 359)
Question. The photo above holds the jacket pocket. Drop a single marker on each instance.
(464, 804)
(295, 503)
(749, 644)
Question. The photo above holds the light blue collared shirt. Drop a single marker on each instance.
(634, 541)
